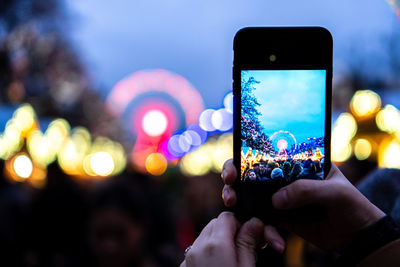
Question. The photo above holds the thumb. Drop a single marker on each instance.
(303, 192)
(249, 236)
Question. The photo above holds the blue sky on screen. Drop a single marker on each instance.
(291, 100)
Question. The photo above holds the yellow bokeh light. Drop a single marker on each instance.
(57, 133)
(362, 149)
(156, 164)
(12, 139)
(40, 148)
(365, 103)
(388, 119)
(344, 129)
(69, 159)
(222, 151)
(23, 166)
(25, 117)
(101, 163)
(340, 153)
(389, 154)
(197, 163)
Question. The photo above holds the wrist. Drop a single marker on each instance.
(368, 240)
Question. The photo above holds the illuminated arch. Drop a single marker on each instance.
(156, 80)
(272, 137)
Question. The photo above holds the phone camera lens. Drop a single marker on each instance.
(272, 58)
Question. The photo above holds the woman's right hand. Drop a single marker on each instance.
(348, 211)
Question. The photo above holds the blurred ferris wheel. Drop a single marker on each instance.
(283, 140)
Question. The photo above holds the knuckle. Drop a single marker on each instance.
(213, 221)
(299, 188)
(190, 256)
(227, 163)
(225, 215)
(269, 231)
(245, 243)
(211, 248)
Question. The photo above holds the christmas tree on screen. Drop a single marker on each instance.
(252, 131)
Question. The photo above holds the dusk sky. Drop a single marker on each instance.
(194, 38)
(291, 101)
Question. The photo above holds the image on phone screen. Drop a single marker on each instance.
(282, 125)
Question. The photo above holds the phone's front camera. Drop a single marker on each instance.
(272, 58)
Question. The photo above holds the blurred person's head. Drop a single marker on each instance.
(287, 166)
(308, 164)
(318, 166)
(256, 167)
(126, 225)
(296, 170)
(252, 175)
(277, 173)
(117, 226)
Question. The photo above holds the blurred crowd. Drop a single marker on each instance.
(127, 220)
(287, 171)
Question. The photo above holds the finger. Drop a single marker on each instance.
(225, 227)
(248, 238)
(274, 239)
(205, 233)
(335, 173)
(303, 192)
(229, 172)
(229, 196)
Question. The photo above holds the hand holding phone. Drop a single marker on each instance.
(348, 211)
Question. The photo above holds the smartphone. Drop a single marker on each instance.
(282, 80)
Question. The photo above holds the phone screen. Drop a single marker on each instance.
(282, 125)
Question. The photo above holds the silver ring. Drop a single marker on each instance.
(187, 250)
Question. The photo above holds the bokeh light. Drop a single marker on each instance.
(205, 121)
(222, 119)
(388, 119)
(12, 139)
(23, 166)
(156, 164)
(196, 163)
(40, 148)
(221, 151)
(69, 158)
(365, 103)
(209, 157)
(24, 116)
(389, 154)
(201, 132)
(344, 129)
(362, 149)
(228, 102)
(102, 164)
(154, 123)
(341, 154)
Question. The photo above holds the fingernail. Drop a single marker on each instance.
(277, 246)
(256, 225)
(280, 199)
(225, 194)
(223, 174)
